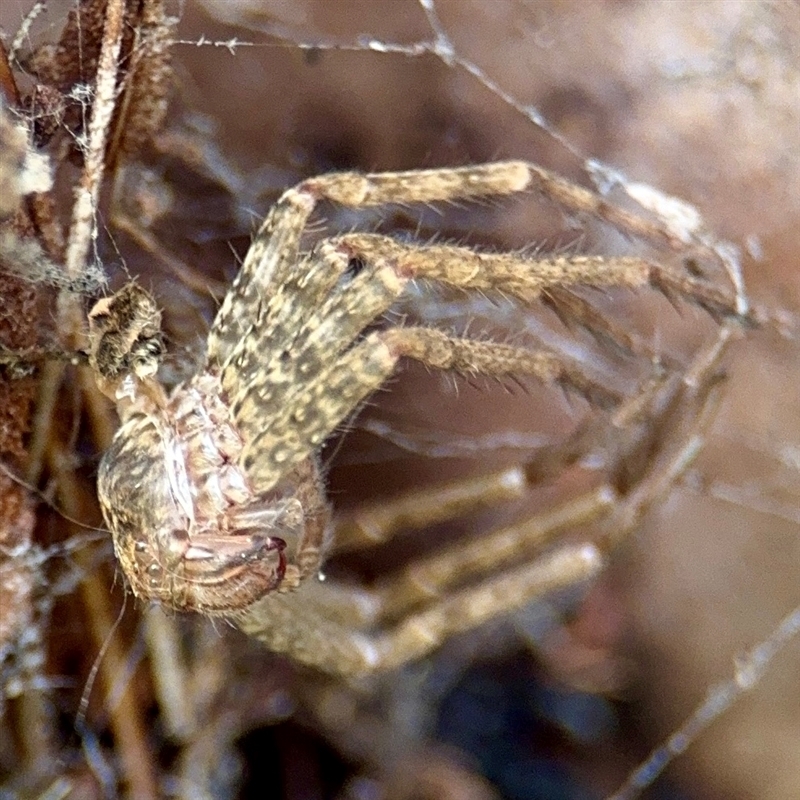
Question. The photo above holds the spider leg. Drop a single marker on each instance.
(527, 278)
(298, 340)
(306, 556)
(373, 524)
(286, 407)
(467, 356)
(352, 632)
(301, 627)
(426, 579)
(289, 391)
(273, 445)
(273, 271)
(273, 258)
(497, 178)
(683, 403)
(282, 335)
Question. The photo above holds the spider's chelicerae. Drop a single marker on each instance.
(214, 495)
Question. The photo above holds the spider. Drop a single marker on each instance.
(214, 492)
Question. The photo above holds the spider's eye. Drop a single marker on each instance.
(692, 266)
(100, 317)
(355, 266)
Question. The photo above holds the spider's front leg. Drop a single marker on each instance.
(285, 341)
(528, 279)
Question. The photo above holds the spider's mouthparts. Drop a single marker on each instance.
(232, 575)
(261, 545)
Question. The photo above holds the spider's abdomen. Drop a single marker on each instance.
(189, 529)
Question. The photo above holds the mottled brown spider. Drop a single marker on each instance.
(214, 495)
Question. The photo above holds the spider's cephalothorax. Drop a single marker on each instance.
(213, 493)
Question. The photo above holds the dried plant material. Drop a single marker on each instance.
(22, 169)
(148, 79)
(142, 80)
(73, 59)
(76, 80)
(25, 258)
(19, 580)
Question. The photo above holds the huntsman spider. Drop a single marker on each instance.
(214, 492)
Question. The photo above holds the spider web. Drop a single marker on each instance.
(711, 117)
